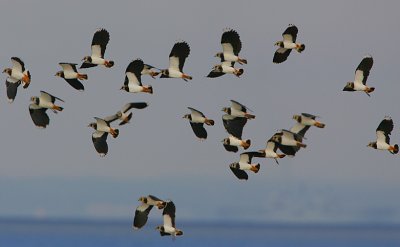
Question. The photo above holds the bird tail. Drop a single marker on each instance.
(394, 149)
(178, 233)
(127, 119)
(148, 89)
(242, 61)
(188, 77)
(246, 144)
(301, 145)
(370, 89)
(255, 168)
(57, 108)
(82, 76)
(209, 122)
(249, 116)
(154, 74)
(114, 132)
(109, 64)
(239, 72)
(300, 47)
(319, 125)
(280, 156)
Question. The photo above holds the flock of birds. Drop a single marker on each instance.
(289, 142)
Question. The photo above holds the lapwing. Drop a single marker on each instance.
(197, 119)
(18, 72)
(46, 100)
(361, 76)
(12, 88)
(225, 67)
(99, 137)
(288, 44)
(238, 110)
(308, 120)
(143, 210)
(71, 75)
(39, 106)
(231, 46)
(288, 138)
(300, 131)
(383, 137)
(168, 227)
(239, 168)
(149, 70)
(123, 114)
(99, 44)
(133, 78)
(180, 51)
(234, 126)
(270, 151)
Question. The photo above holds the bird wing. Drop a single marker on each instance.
(99, 139)
(299, 129)
(169, 214)
(214, 74)
(141, 215)
(48, 97)
(101, 122)
(18, 64)
(384, 130)
(363, 69)
(245, 157)
(309, 115)
(230, 42)
(180, 51)
(290, 34)
(288, 150)
(272, 146)
(12, 88)
(136, 105)
(69, 67)
(292, 135)
(111, 118)
(99, 42)
(238, 106)
(234, 125)
(134, 71)
(75, 83)
(199, 130)
(39, 116)
(281, 54)
(240, 174)
(195, 112)
(231, 148)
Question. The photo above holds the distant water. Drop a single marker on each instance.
(21, 233)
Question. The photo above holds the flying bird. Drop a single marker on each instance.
(180, 51)
(12, 88)
(270, 151)
(308, 120)
(238, 110)
(99, 44)
(197, 119)
(39, 106)
(287, 44)
(99, 137)
(133, 78)
(18, 72)
(168, 227)
(225, 67)
(361, 76)
(149, 70)
(234, 126)
(239, 168)
(231, 46)
(123, 114)
(71, 75)
(383, 137)
(143, 210)
(288, 138)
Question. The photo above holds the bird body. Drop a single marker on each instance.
(71, 76)
(239, 168)
(383, 133)
(46, 100)
(99, 44)
(238, 110)
(180, 51)
(287, 44)
(308, 120)
(123, 114)
(361, 76)
(288, 138)
(133, 78)
(18, 72)
(168, 227)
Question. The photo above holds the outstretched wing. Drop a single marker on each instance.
(230, 42)
(134, 72)
(99, 140)
(363, 69)
(18, 64)
(141, 215)
(39, 116)
(234, 125)
(384, 130)
(99, 42)
(169, 214)
(240, 174)
(290, 34)
(281, 55)
(199, 130)
(180, 51)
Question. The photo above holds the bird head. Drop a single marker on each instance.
(7, 71)
(349, 86)
(119, 114)
(35, 100)
(226, 141)
(235, 165)
(187, 116)
(226, 110)
(124, 87)
(92, 125)
(87, 59)
(279, 43)
(164, 72)
(276, 138)
(219, 54)
(59, 74)
(143, 199)
(297, 118)
(217, 68)
(372, 145)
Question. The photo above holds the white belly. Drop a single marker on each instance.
(289, 45)
(288, 141)
(233, 141)
(174, 73)
(270, 154)
(228, 69)
(45, 104)
(16, 74)
(236, 113)
(382, 146)
(230, 57)
(358, 86)
(98, 60)
(70, 74)
(307, 121)
(133, 88)
(198, 119)
(244, 166)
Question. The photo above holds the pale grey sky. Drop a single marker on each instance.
(57, 173)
